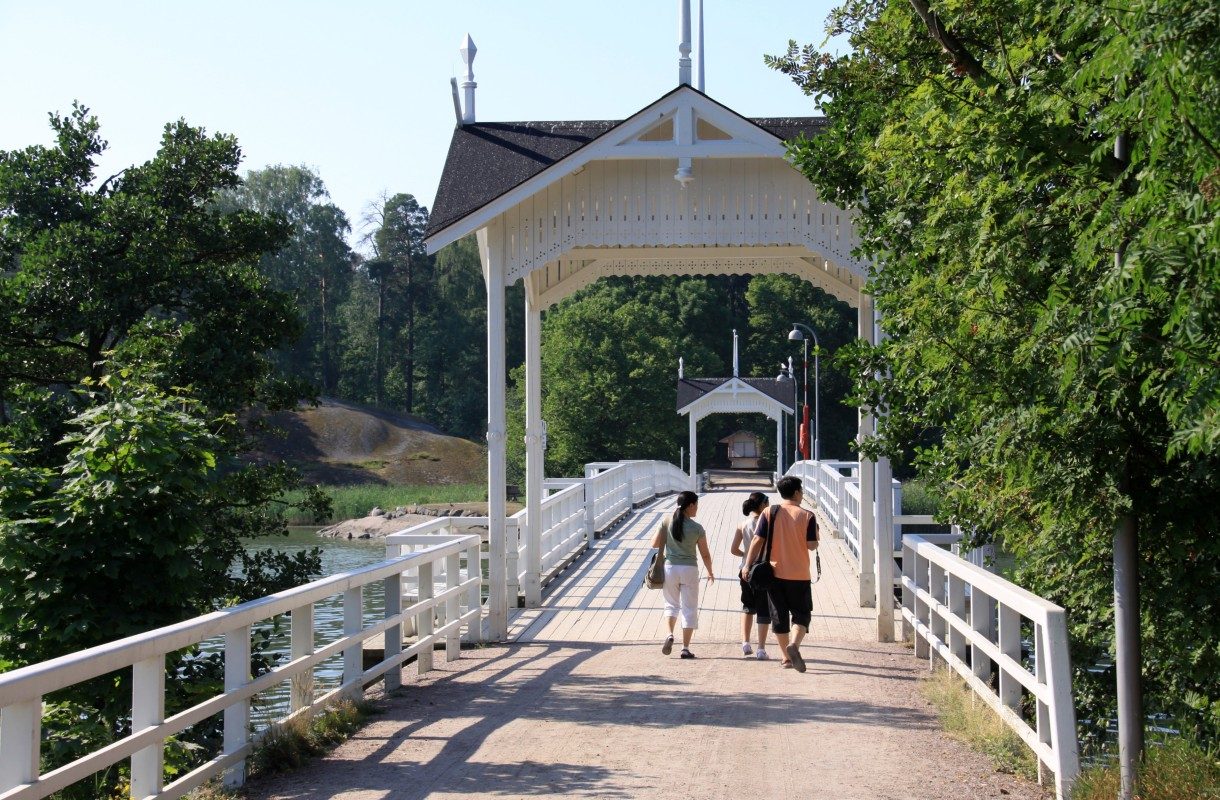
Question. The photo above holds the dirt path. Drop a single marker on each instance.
(622, 721)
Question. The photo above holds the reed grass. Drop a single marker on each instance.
(1173, 769)
(970, 720)
(353, 502)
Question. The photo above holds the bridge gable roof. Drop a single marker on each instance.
(487, 160)
(692, 390)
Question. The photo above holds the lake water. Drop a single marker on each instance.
(338, 555)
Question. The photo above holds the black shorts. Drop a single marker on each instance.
(793, 598)
(755, 603)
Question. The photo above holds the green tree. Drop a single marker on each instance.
(132, 311)
(1071, 389)
(314, 267)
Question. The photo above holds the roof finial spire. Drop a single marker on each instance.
(681, 368)
(468, 51)
(684, 42)
(734, 352)
(699, 64)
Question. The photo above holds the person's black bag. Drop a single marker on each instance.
(761, 573)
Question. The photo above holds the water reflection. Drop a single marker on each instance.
(338, 555)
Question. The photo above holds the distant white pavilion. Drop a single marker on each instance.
(685, 186)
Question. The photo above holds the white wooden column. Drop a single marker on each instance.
(779, 444)
(492, 256)
(884, 518)
(694, 475)
(534, 465)
(868, 527)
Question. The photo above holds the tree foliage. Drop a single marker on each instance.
(1070, 388)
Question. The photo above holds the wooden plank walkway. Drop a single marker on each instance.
(602, 598)
(581, 703)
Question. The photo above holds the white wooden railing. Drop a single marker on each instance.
(439, 553)
(973, 620)
(575, 510)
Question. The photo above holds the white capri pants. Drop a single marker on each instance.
(681, 592)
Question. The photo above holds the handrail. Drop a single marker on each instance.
(972, 619)
(440, 557)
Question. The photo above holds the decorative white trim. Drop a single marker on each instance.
(753, 142)
(735, 396)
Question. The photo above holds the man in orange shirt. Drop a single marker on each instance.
(792, 532)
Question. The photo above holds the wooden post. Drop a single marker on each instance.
(908, 592)
(884, 551)
(393, 634)
(148, 709)
(300, 632)
(21, 733)
(534, 456)
(453, 610)
(236, 716)
(353, 623)
(474, 600)
(424, 619)
(936, 622)
(1010, 645)
(492, 257)
(982, 620)
(958, 643)
(868, 489)
(694, 467)
(921, 606)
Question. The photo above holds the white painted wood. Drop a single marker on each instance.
(148, 710)
(300, 632)
(392, 588)
(453, 609)
(20, 737)
(425, 618)
(237, 715)
(497, 602)
(534, 465)
(868, 493)
(941, 628)
(468, 51)
(694, 461)
(883, 550)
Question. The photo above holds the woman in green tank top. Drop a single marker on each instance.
(682, 538)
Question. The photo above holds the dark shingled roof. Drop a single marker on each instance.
(488, 159)
(691, 389)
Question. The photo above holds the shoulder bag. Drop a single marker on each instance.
(654, 578)
(761, 573)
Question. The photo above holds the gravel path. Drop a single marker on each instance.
(589, 720)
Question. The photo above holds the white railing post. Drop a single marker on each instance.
(513, 536)
(353, 654)
(21, 737)
(474, 600)
(424, 618)
(937, 624)
(1063, 715)
(148, 710)
(1010, 645)
(908, 592)
(453, 609)
(590, 512)
(300, 633)
(237, 716)
(392, 586)
(982, 622)
(921, 605)
(959, 645)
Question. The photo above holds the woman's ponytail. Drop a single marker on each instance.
(675, 526)
(757, 501)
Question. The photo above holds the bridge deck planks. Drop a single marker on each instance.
(601, 597)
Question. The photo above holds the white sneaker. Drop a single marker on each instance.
(746, 650)
(761, 655)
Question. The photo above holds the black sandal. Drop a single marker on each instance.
(686, 654)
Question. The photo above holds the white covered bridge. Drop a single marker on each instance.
(569, 675)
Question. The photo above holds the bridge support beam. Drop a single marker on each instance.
(534, 455)
(868, 528)
(492, 258)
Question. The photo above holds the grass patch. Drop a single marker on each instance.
(214, 791)
(291, 745)
(918, 498)
(970, 720)
(1174, 769)
(352, 502)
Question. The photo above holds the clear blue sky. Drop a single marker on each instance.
(360, 91)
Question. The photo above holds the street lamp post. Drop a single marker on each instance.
(795, 335)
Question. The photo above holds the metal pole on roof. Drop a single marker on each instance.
(699, 70)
